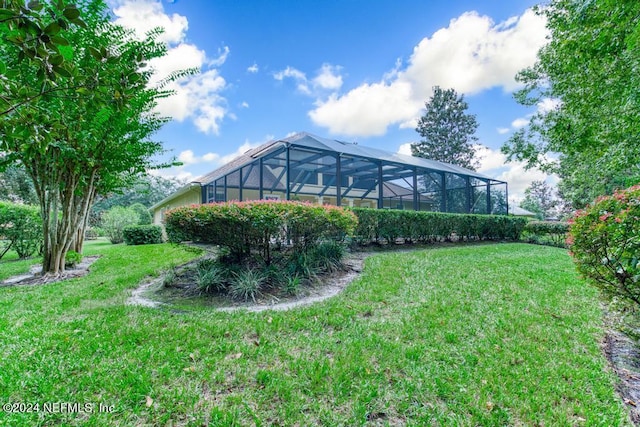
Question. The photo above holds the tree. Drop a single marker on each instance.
(588, 73)
(447, 130)
(16, 186)
(116, 219)
(33, 32)
(93, 136)
(539, 198)
(146, 190)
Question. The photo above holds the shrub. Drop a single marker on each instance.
(327, 256)
(115, 220)
(144, 217)
(142, 234)
(72, 258)
(552, 233)
(243, 228)
(604, 240)
(21, 229)
(91, 234)
(414, 226)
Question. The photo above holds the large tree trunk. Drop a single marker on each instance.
(64, 205)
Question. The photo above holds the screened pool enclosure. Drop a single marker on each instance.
(309, 168)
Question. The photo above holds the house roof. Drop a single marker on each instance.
(518, 211)
(307, 140)
(310, 141)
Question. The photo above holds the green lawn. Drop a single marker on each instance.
(475, 335)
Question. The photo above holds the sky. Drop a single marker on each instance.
(353, 70)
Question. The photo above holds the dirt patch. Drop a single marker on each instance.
(327, 286)
(35, 277)
(624, 356)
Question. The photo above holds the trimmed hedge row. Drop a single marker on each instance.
(243, 227)
(414, 226)
(551, 233)
(142, 234)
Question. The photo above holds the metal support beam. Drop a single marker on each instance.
(443, 190)
(416, 206)
(506, 195)
(288, 173)
(488, 197)
(278, 179)
(225, 188)
(327, 185)
(380, 187)
(338, 182)
(240, 184)
(261, 178)
(468, 193)
(203, 194)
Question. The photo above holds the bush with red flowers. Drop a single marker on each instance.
(604, 240)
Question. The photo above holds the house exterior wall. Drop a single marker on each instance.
(192, 196)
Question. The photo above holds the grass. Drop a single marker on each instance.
(457, 336)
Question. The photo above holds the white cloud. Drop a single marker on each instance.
(494, 164)
(367, 110)
(298, 76)
(253, 69)
(328, 77)
(197, 97)
(144, 15)
(244, 104)
(405, 149)
(489, 159)
(187, 158)
(471, 55)
(519, 123)
(194, 165)
(210, 157)
(548, 104)
(503, 131)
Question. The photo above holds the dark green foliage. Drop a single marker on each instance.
(587, 74)
(146, 190)
(20, 229)
(211, 276)
(447, 130)
(552, 233)
(257, 227)
(142, 234)
(143, 213)
(264, 245)
(327, 256)
(16, 186)
(604, 240)
(375, 225)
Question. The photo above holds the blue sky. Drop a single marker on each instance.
(354, 70)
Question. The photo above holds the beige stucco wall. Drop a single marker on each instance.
(192, 196)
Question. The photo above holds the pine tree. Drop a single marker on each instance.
(447, 130)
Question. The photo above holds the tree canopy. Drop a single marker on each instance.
(539, 198)
(92, 134)
(589, 73)
(447, 130)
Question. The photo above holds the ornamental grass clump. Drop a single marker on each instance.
(604, 240)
